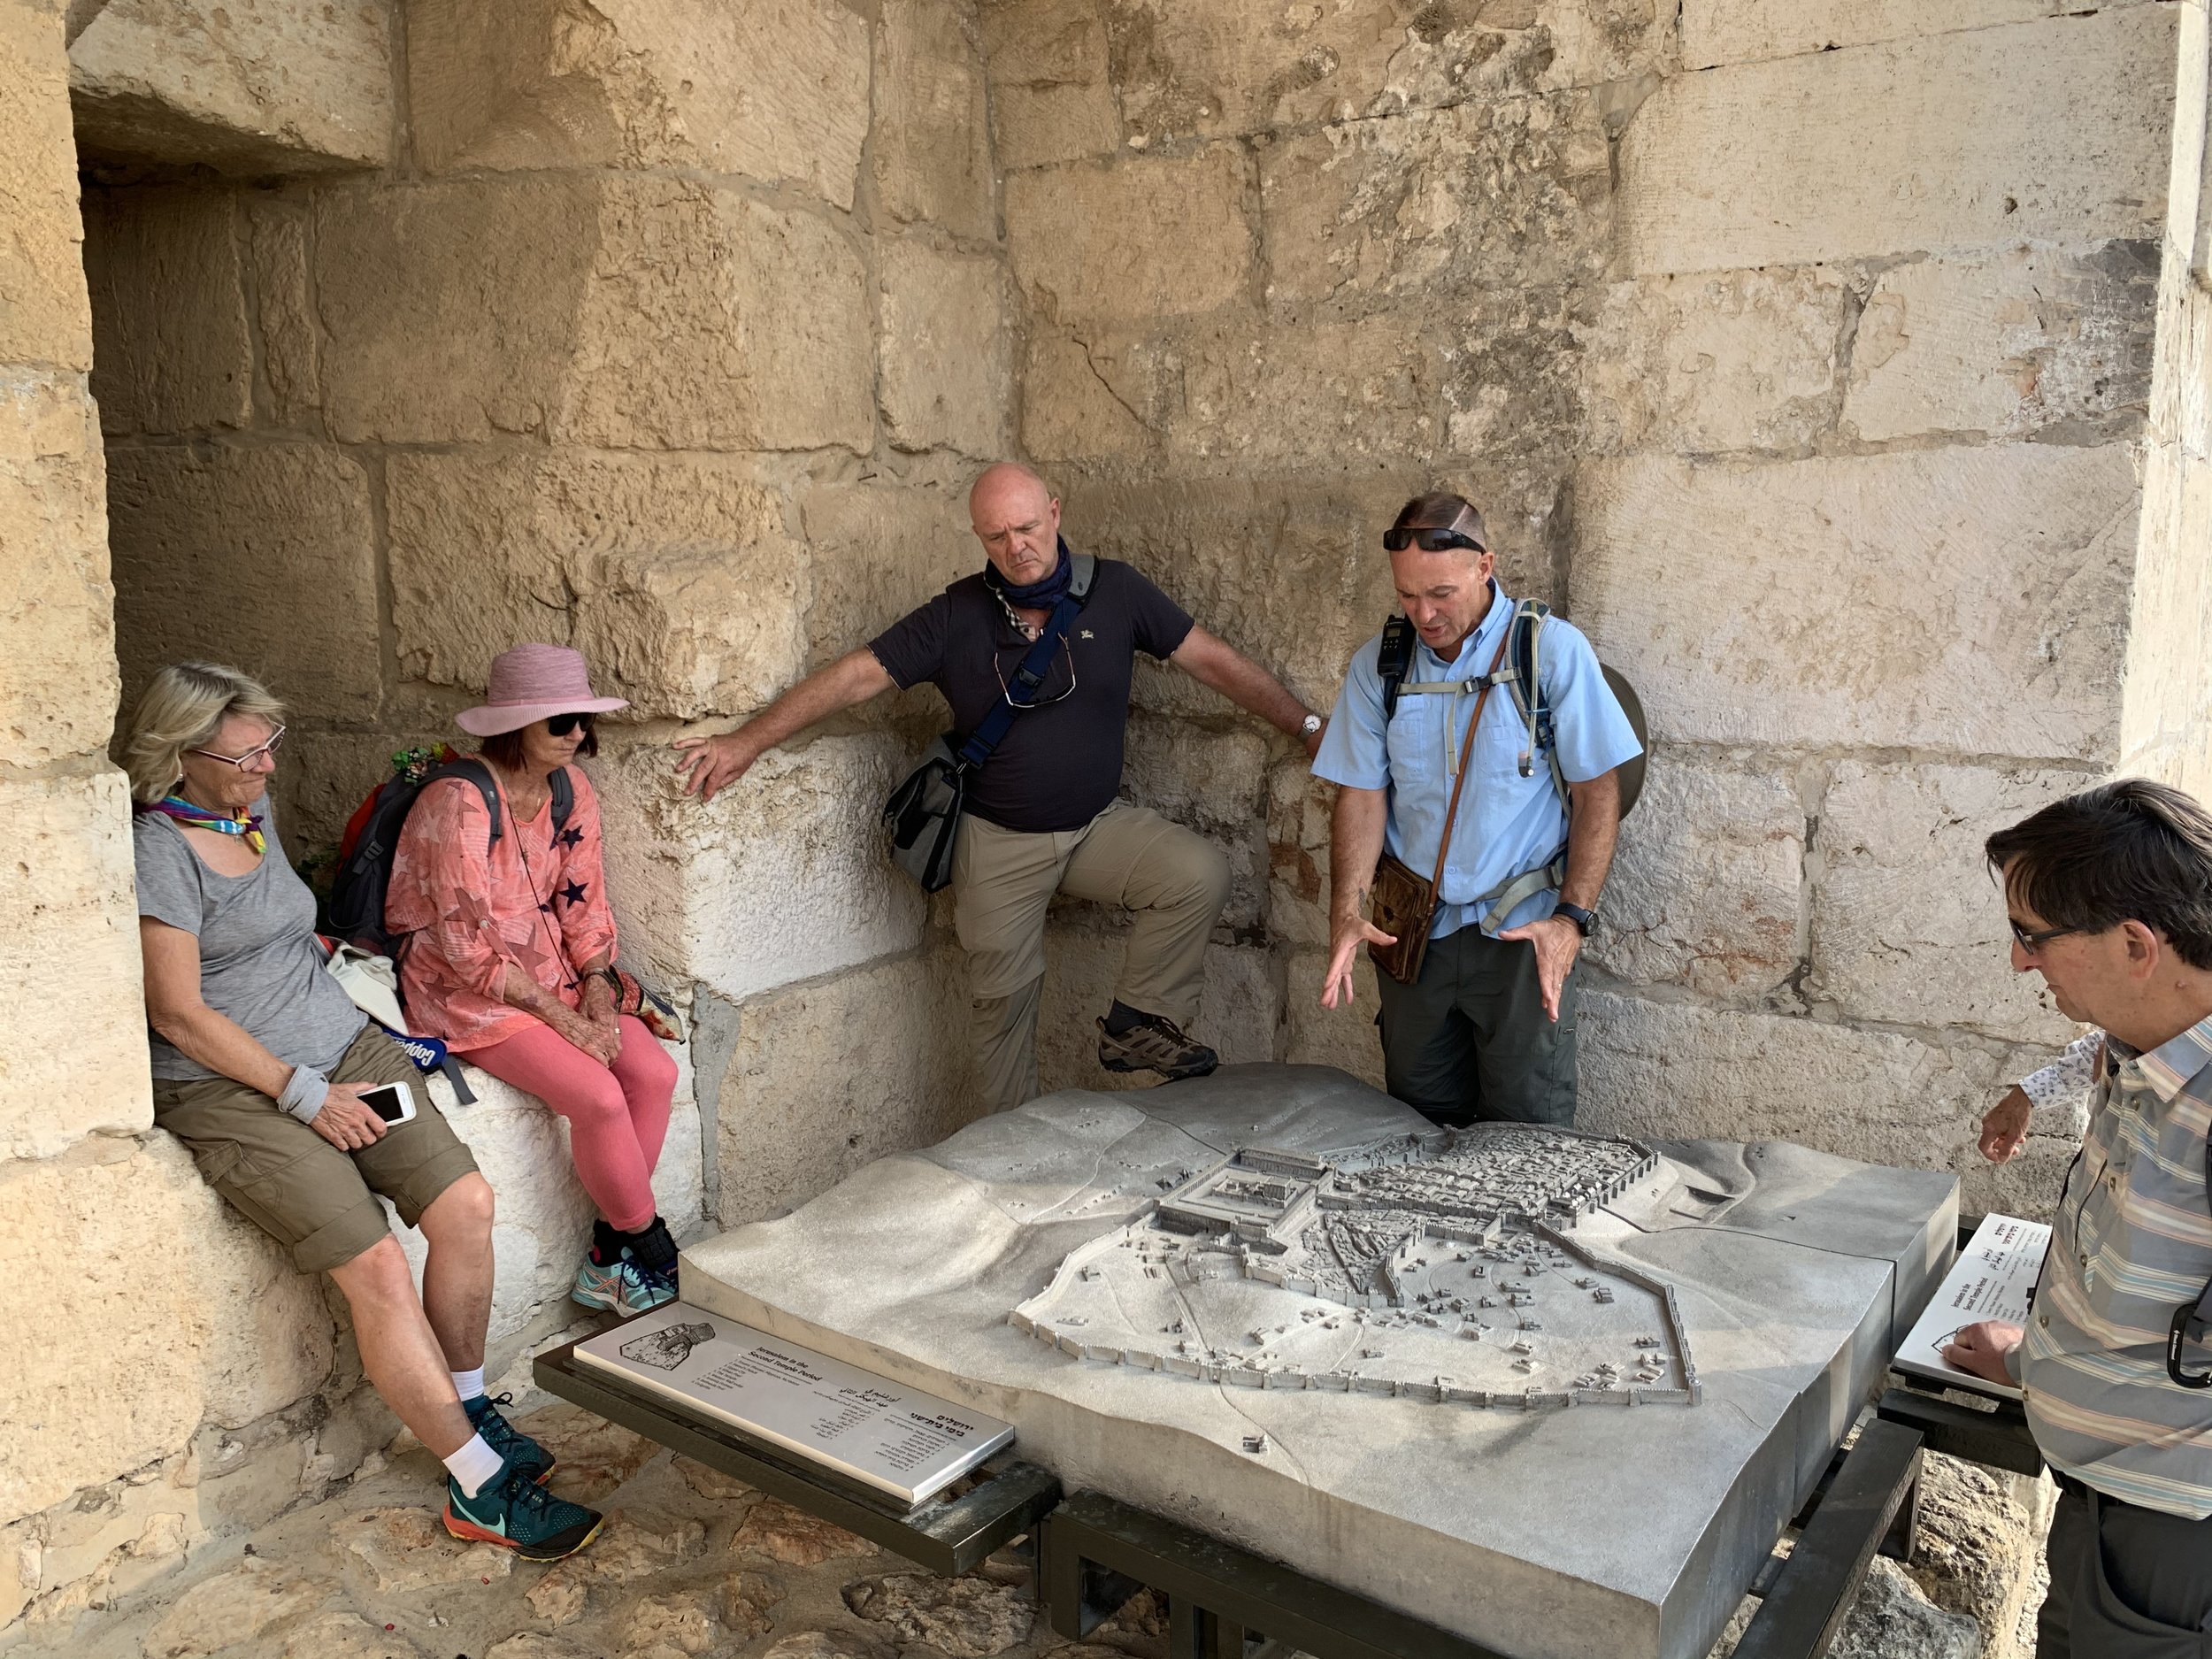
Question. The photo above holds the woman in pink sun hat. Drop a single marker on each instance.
(512, 951)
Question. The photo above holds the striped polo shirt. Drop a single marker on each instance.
(2131, 1241)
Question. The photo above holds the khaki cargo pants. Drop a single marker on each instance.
(1003, 882)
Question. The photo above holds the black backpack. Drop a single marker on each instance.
(355, 909)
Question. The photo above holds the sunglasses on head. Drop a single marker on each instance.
(562, 724)
(1396, 541)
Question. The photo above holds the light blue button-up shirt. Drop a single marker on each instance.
(1507, 823)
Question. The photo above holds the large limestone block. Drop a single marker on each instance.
(2165, 729)
(178, 1310)
(946, 379)
(1513, 389)
(1676, 1070)
(1732, 31)
(1908, 927)
(1088, 393)
(1707, 889)
(1727, 360)
(1928, 143)
(72, 944)
(1299, 805)
(2025, 339)
(783, 876)
(1964, 600)
(1220, 68)
(828, 1076)
(878, 550)
(284, 309)
(1214, 782)
(932, 153)
(43, 317)
(255, 85)
(777, 91)
(1052, 98)
(172, 353)
(1238, 1011)
(1481, 194)
(1137, 240)
(58, 680)
(715, 322)
(262, 557)
(449, 309)
(674, 575)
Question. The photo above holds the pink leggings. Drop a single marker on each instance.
(618, 1115)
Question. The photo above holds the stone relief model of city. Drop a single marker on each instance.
(1400, 1269)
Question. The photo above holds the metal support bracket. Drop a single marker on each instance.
(1869, 1506)
(947, 1536)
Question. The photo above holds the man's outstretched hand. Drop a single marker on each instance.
(709, 764)
(1336, 990)
(1558, 941)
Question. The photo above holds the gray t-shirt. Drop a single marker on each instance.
(260, 964)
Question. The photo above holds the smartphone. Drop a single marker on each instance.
(394, 1103)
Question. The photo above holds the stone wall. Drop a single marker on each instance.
(1797, 353)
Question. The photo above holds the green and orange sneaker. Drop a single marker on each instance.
(516, 1513)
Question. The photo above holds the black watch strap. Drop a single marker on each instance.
(1575, 913)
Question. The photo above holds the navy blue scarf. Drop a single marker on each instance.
(1038, 595)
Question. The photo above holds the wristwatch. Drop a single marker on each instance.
(1311, 723)
(1575, 913)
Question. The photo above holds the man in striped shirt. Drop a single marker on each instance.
(2109, 893)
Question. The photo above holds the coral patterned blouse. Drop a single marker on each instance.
(537, 899)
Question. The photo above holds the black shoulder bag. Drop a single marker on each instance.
(923, 814)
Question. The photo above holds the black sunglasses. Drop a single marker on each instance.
(562, 724)
(1397, 540)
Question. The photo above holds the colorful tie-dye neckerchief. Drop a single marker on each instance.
(199, 817)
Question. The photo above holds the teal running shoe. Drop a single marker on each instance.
(623, 1286)
(510, 1443)
(516, 1513)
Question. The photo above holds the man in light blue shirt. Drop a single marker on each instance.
(1487, 1030)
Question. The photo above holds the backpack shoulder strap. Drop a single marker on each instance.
(478, 774)
(1393, 661)
(1083, 573)
(564, 796)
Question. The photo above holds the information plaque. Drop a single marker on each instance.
(867, 1428)
(1990, 1280)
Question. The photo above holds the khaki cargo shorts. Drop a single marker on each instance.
(317, 1201)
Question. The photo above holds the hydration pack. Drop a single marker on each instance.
(1519, 676)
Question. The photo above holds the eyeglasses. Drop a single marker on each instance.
(276, 741)
(2033, 939)
(1396, 541)
(562, 724)
(1037, 702)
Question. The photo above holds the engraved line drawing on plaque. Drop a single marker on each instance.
(668, 1348)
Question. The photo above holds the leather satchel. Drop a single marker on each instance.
(1402, 902)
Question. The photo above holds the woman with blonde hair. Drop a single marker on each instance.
(261, 1062)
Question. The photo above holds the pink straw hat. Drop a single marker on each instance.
(531, 683)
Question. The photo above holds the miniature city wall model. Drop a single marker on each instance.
(1557, 1393)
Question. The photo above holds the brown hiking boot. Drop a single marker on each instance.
(1155, 1044)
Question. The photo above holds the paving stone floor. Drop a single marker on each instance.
(694, 1564)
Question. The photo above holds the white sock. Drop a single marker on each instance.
(468, 1383)
(473, 1464)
